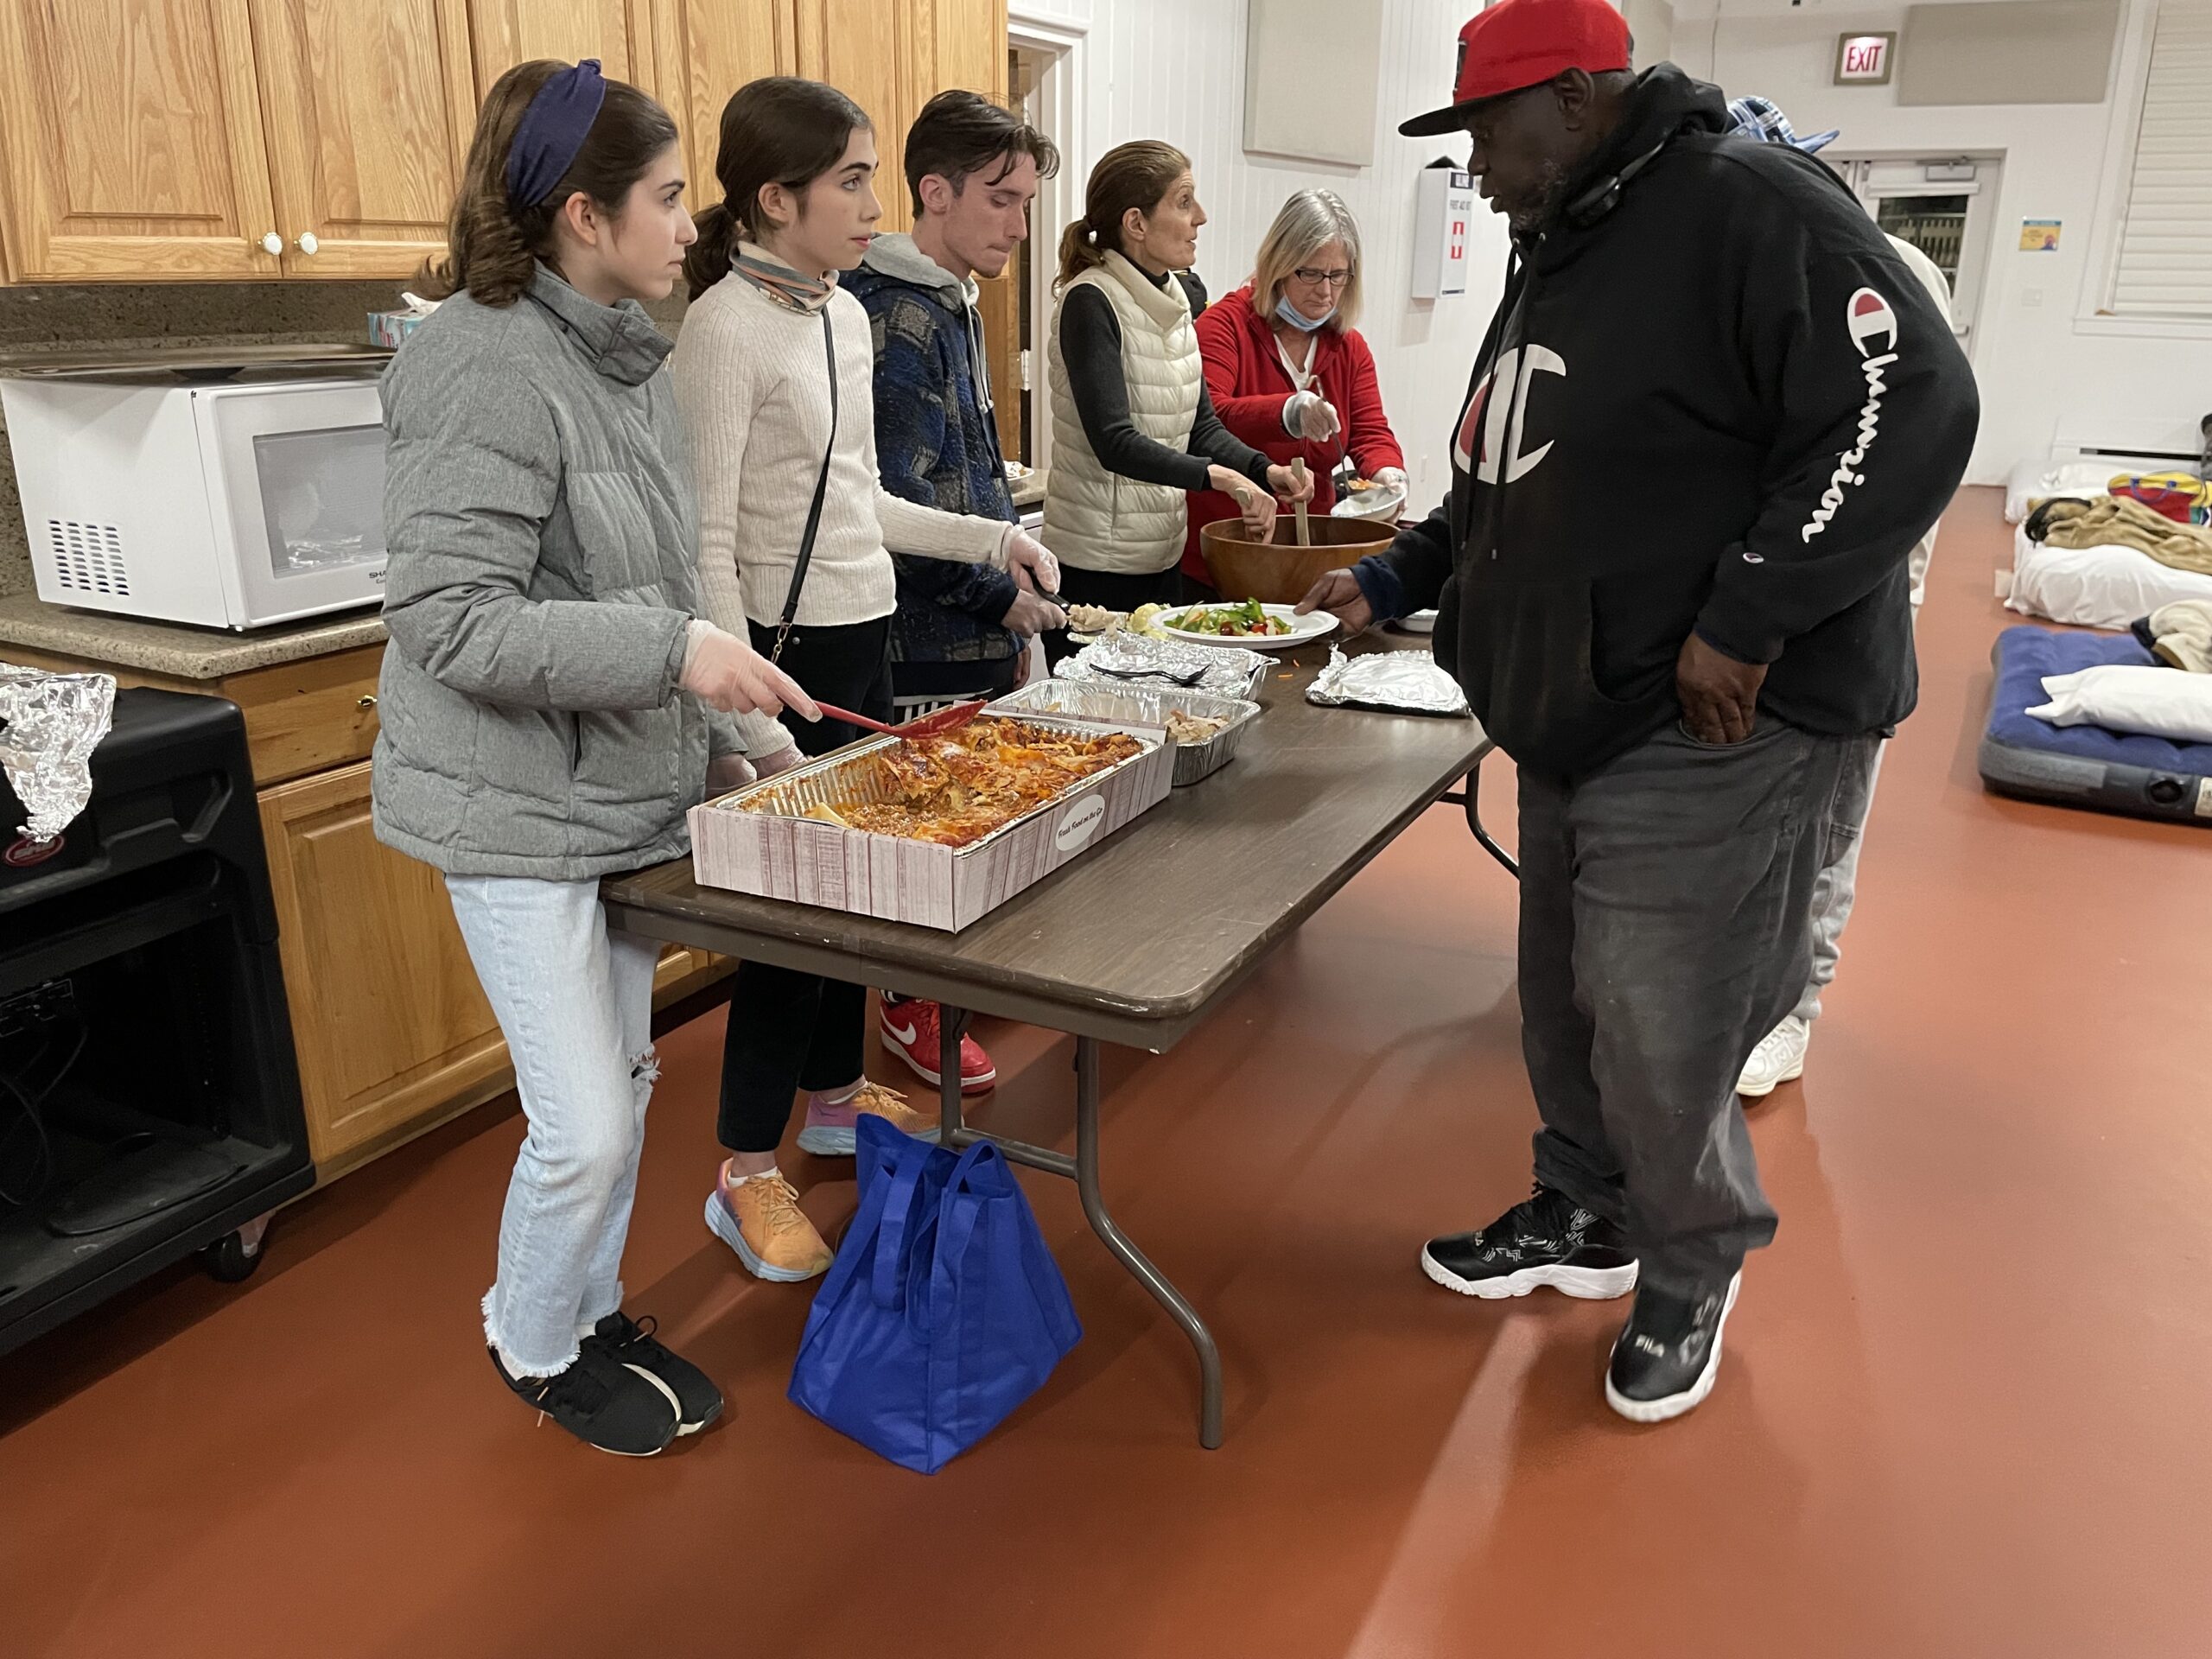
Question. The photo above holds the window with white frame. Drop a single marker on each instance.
(2165, 265)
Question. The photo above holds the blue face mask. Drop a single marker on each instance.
(1290, 313)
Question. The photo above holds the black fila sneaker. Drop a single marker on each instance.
(1667, 1354)
(1546, 1239)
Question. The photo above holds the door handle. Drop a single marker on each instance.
(368, 701)
(273, 243)
(306, 243)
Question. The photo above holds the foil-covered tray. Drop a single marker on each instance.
(1126, 706)
(1389, 682)
(1132, 659)
(49, 726)
(853, 777)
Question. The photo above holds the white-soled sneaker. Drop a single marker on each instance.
(1779, 1058)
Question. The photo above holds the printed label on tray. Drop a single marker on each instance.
(2205, 798)
(1080, 823)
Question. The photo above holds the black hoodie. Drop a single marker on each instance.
(1723, 404)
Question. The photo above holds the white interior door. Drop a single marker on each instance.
(1951, 219)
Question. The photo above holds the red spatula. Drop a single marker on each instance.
(928, 726)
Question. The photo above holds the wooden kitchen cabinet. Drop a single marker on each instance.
(619, 33)
(369, 105)
(387, 1016)
(133, 140)
(393, 1032)
(704, 50)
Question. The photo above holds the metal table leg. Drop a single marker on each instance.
(1082, 1169)
(1469, 795)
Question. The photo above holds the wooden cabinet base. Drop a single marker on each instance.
(393, 1032)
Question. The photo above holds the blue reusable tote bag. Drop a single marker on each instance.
(944, 1310)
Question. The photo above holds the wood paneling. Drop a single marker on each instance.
(508, 32)
(387, 1016)
(873, 52)
(134, 144)
(704, 50)
(370, 105)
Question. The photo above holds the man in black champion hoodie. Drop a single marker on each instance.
(1714, 415)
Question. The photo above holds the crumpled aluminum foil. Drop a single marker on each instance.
(1392, 682)
(1132, 659)
(49, 726)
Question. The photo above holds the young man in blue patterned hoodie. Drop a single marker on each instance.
(972, 170)
(960, 630)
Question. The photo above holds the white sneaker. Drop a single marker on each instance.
(1780, 1058)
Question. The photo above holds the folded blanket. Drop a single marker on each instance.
(2179, 634)
(2109, 521)
(2123, 697)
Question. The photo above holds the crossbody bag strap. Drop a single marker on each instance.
(814, 508)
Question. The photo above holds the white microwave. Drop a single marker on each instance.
(229, 506)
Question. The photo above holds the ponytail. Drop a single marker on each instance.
(1137, 175)
(708, 260)
(1079, 251)
(492, 245)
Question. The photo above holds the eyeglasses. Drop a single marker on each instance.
(1313, 278)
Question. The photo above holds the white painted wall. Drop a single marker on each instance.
(2047, 364)
(1174, 69)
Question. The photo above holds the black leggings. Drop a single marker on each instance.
(790, 1031)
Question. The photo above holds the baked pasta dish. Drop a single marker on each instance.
(956, 788)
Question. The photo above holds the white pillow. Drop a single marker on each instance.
(2124, 697)
(2094, 587)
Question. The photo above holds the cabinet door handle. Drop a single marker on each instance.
(306, 243)
(368, 701)
(273, 243)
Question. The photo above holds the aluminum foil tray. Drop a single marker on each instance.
(1126, 706)
(1129, 660)
(852, 777)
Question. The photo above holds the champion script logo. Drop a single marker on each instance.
(1873, 328)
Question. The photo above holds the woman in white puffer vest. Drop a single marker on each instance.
(1134, 430)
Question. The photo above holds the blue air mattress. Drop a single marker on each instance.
(2084, 766)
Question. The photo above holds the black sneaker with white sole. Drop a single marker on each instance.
(1667, 1354)
(1546, 1239)
(630, 1342)
(603, 1402)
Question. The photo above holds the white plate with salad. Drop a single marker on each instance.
(1247, 624)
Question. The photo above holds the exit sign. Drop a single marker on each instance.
(1863, 60)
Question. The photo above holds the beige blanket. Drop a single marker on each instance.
(2116, 521)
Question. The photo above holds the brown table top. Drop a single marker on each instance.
(1134, 941)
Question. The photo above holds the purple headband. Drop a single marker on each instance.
(552, 131)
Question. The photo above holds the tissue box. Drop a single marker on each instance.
(388, 328)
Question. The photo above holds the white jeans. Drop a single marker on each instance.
(576, 1004)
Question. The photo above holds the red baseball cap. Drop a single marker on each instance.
(1519, 43)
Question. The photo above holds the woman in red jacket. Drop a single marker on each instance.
(1287, 371)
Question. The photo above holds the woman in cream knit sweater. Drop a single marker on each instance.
(754, 368)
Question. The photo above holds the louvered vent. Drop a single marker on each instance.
(89, 557)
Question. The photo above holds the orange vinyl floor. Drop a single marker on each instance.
(1963, 1409)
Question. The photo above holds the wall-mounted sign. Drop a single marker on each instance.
(2040, 235)
(1444, 212)
(1865, 60)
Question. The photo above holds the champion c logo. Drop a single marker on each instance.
(1873, 326)
(1080, 824)
(1497, 417)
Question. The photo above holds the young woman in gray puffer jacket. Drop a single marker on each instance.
(551, 703)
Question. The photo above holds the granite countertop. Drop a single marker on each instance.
(171, 649)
